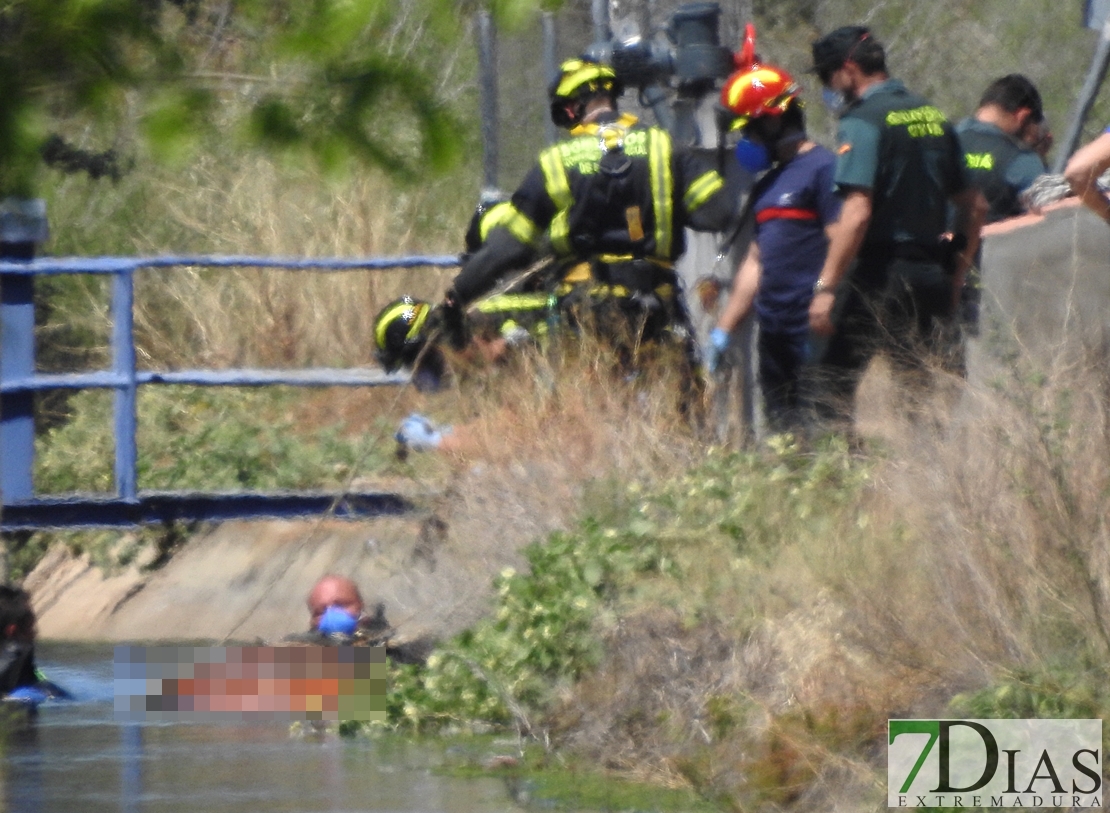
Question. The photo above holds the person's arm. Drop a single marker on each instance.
(971, 212)
(502, 253)
(1083, 171)
(845, 238)
(744, 288)
(711, 196)
(510, 244)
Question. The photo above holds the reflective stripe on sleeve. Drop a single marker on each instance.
(662, 189)
(558, 189)
(520, 226)
(702, 189)
(503, 303)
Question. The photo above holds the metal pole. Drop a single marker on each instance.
(17, 361)
(549, 69)
(1087, 96)
(123, 363)
(602, 31)
(487, 82)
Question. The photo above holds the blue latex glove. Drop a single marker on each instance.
(418, 433)
(718, 344)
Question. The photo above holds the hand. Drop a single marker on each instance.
(820, 313)
(718, 344)
(419, 433)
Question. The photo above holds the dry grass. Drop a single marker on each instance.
(546, 440)
(977, 548)
(220, 318)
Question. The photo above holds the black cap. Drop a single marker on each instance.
(834, 49)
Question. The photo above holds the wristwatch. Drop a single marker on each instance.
(821, 287)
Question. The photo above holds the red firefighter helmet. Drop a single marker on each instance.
(758, 90)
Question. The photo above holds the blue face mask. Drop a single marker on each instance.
(835, 100)
(753, 156)
(337, 620)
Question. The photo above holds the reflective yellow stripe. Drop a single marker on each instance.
(499, 215)
(558, 189)
(555, 178)
(580, 272)
(513, 302)
(420, 315)
(613, 259)
(521, 227)
(662, 189)
(559, 233)
(665, 292)
(702, 190)
(508, 217)
(422, 312)
(603, 290)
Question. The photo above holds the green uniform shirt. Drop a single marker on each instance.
(899, 147)
(999, 165)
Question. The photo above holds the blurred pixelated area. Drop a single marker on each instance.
(210, 684)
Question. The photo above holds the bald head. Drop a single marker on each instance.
(334, 591)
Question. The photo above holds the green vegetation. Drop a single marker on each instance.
(537, 778)
(197, 439)
(746, 626)
(542, 634)
(693, 559)
(206, 438)
(312, 78)
(1070, 694)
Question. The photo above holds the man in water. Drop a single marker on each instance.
(335, 606)
(336, 617)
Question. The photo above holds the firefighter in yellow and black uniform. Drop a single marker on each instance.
(616, 196)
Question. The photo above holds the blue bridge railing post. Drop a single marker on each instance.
(17, 360)
(123, 363)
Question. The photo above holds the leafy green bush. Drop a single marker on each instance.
(1033, 694)
(542, 633)
(548, 625)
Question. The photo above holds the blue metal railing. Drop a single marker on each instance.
(19, 381)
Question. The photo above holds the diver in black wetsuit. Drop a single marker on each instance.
(17, 650)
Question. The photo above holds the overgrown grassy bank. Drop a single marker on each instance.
(746, 626)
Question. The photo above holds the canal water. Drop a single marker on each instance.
(77, 757)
